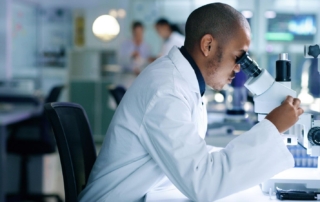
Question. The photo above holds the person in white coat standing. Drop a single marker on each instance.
(170, 35)
(156, 137)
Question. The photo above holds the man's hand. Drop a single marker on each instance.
(286, 115)
(135, 55)
(136, 71)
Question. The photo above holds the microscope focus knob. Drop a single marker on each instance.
(314, 136)
(314, 51)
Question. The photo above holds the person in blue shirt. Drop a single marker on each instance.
(134, 53)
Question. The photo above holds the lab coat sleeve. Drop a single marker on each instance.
(172, 141)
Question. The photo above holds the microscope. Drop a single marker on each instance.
(269, 93)
(312, 51)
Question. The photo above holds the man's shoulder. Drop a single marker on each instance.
(159, 74)
(163, 76)
(163, 70)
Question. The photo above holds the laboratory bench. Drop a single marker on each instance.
(253, 194)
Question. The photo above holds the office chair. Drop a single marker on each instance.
(54, 94)
(75, 144)
(31, 138)
(117, 93)
(32, 100)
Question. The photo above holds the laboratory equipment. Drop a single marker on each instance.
(301, 158)
(269, 93)
(236, 114)
(292, 27)
(297, 195)
(312, 51)
(236, 96)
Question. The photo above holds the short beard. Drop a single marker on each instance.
(213, 63)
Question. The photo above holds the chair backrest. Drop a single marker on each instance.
(118, 93)
(54, 94)
(75, 144)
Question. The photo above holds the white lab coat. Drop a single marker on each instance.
(175, 39)
(157, 137)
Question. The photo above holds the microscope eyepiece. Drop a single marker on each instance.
(283, 68)
(248, 66)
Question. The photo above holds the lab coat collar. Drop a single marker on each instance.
(201, 82)
(184, 68)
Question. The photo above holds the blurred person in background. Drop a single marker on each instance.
(134, 53)
(170, 34)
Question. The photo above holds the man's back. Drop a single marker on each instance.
(124, 170)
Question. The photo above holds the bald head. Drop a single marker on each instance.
(219, 20)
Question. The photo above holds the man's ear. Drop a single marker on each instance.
(207, 44)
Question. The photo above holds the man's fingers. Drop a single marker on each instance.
(300, 111)
(289, 99)
(296, 102)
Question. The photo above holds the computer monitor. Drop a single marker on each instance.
(292, 27)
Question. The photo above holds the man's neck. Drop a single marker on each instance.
(195, 56)
(196, 69)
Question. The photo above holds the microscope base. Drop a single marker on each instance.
(294, 178)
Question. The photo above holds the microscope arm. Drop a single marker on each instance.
(268, 93)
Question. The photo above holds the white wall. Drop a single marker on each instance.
(149, 11)
(4, 39)
(24, 39)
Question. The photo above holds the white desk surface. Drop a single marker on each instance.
(253, 194)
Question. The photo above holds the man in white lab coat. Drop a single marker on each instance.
(170, 35)
(156, 137)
